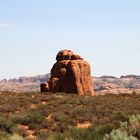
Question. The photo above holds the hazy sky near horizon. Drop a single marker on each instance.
(104, 32)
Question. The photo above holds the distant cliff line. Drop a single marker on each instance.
(44, 78)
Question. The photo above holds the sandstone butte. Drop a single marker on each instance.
(70, 74)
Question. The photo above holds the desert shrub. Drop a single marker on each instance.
(134, 120)
(42, 135)
(125, 126)
(16, 137)
(8, 108)
(128, 130)
(118, 134)
(41, 108)
(20, 131)
(78, 134)
(4, 135)
(102, 130)
(31, 117)
(62, 120)
(71, 100)
(120, 116)
(6, 125)
(73, 134)
(60, 116)
(78, 114)
(69, 109)
(82, 133)
(57, 136)
(62, 128)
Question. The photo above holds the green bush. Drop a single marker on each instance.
(60, 116)
(118, 134)
(31, 118)
(77, 134)
(41, 134)
(6, 125)
(128, 130)
(120, 116)
(101, 131)
(83, 133)
(134, 120)
(57, 136)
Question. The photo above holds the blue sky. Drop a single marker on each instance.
(105, 32)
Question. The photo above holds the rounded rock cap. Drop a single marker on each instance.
(64, 55)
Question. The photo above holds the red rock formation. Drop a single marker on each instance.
(76, 57)
(70, 74)
(64, 55)
(44, 87)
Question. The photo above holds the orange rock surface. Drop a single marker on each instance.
(70, 74)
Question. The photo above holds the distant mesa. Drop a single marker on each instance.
(70, 74)
(105, 76)
(131, 76)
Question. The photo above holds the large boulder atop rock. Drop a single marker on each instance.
(70, 74)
